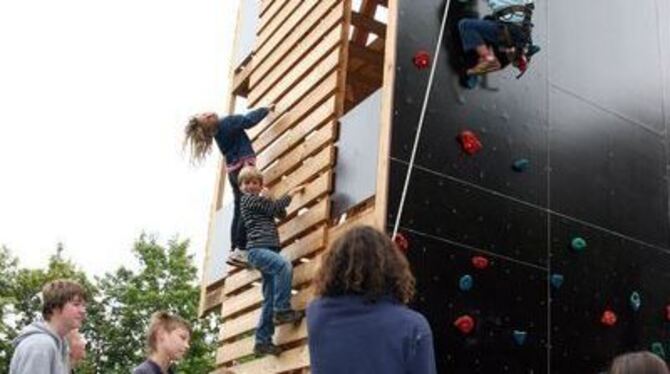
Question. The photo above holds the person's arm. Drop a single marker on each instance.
(422, 354)
(239, 122)
(264, 205)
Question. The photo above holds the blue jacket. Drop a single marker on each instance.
(349, 335)
(233, 140)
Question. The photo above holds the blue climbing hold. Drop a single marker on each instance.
(557, 280)
(465, 283)
(658, 350)
(578, 244)
(521, 165)
(519, 337)
(635, 301)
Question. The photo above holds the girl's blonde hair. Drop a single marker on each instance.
(199, 139)
(163, 321)
(249, 173)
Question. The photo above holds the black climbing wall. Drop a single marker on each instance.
(591, 117)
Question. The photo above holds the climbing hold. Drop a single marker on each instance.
(635, 301)
(469, 142)
(667, 313)
(465, 283)
(480, 262)
(658, 350)
(521, 165)
(578, 244)
(421, 60)
(519, 337)
(608, 318)
(557, 280)
(465, 324)
(401, 242)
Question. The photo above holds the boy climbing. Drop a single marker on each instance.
(234, 144)
(259, 211)
(508, 30)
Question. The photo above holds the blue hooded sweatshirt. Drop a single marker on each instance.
(348, 334)
(233, 140)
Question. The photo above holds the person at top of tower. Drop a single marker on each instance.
(508, 30)
(234, 143)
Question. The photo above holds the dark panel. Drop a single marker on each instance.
(601, 277)
(511, 121)
(618, 68)
(357, 149)
(441, 207)
(504, 297)
(605, 168)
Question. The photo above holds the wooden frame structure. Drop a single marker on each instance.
(315, 60)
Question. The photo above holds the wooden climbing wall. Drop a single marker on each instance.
(299, 62)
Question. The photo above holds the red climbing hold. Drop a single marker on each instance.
(401, 242)
(465, 324)
(667, 312)
(469, 142)
(421, 60)
(480, 262)
(608, 318)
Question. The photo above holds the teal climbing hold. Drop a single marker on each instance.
(521, 165)
(658, 350)
(635, 301)
(557, 280)
(578, 244)
(465, 283)
(520, 337)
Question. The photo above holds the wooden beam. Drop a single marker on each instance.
(386, 118)
(368, 24)
(365, 54)
(360, 36)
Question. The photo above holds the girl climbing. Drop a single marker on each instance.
(233, 142)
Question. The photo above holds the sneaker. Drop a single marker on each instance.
(289, 316)
(238, 258)
(262, 349)
(485, 65)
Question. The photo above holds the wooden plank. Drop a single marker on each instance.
(316, 214)
(365, 54)
(293, 159)
(368, 24)
(265, 45)
(247, 322)
(367, 217)
(304, 246)
(316, 40)
(316, 96)
(285, 46)
(360, 36)
(315, 189)
(213, 299)
(324, 113)
(253, 296)
(323, 160)
(267, 30)
(240, 85)
(386, 118)
(290, 360)
(284, 334)
(269, 9)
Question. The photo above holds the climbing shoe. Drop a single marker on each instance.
(262, 349)
(238, 258)
(289, 316)
(485, 65)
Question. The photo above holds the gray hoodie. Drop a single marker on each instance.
(39, 350)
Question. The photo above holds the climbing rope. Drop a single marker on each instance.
(421, 118)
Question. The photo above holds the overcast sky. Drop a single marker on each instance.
(93, 98)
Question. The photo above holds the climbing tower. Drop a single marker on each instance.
(535, 216)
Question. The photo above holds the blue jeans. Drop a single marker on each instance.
(277, 274)
(476, 32)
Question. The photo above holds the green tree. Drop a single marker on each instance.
(166, 280)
